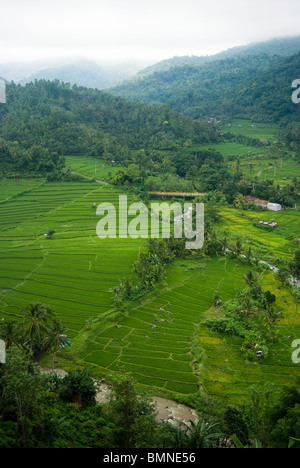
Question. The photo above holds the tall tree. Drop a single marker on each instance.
(11, 333)
(22, 392)
(55, 339)
(203, 434)
(36, 318)
(79, 387)
(133, 413)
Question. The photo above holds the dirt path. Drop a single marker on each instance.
(167, 410)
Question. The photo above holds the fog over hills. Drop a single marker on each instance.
(107, 74)
(278, 46)
(78, 71)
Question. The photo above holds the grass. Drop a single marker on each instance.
(153, 341)
(281, 171)
(74, 273)
(262, 131)
(91, 167)
(232, 150)
(227, 375)
(268, 244)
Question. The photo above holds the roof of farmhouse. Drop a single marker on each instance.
(257, 201)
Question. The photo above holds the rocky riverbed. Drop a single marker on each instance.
(167, 410)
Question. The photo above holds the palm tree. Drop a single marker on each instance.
(238, 246)
(247, 306)
(11, 333)
(238, 200)
(36, 316)
(250, 278)
(56, 339)
(225, 243)
(249, 254)
(202, 434)
(271, 316)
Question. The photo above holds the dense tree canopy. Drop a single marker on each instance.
(256, 86)
(45, 120)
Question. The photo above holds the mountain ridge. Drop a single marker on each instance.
(242, 86)
(76, 70)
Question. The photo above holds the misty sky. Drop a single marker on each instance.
(137, 29)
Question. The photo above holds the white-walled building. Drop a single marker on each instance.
(263, 203)
(274, 207)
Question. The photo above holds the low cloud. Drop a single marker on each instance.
(139, 29)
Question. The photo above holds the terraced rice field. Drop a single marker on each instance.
(228, 376)
(90, 166)
(154, 340)
(10, 188)
(256, 164)
(281, 171)
(262, 131)
(74, 272)
(232, 150)
(267, 243)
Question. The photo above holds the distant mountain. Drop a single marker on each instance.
(280, 47)
(166, 64)
(18, 71)
(74, 71)
(269, 97)
(244, 82)
(105, 75)
(197, 92)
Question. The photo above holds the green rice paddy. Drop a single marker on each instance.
(281, 171)
(267, 243)
(74, 274)
(91, 167)
(231, 150)
(258, 164)
(154, 340)
(228, 376)
(262, 131)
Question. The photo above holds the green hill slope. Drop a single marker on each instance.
(45, 117)
(249, 86)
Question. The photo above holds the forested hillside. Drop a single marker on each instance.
(256, 87)
(278, 47)
(45, 120)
